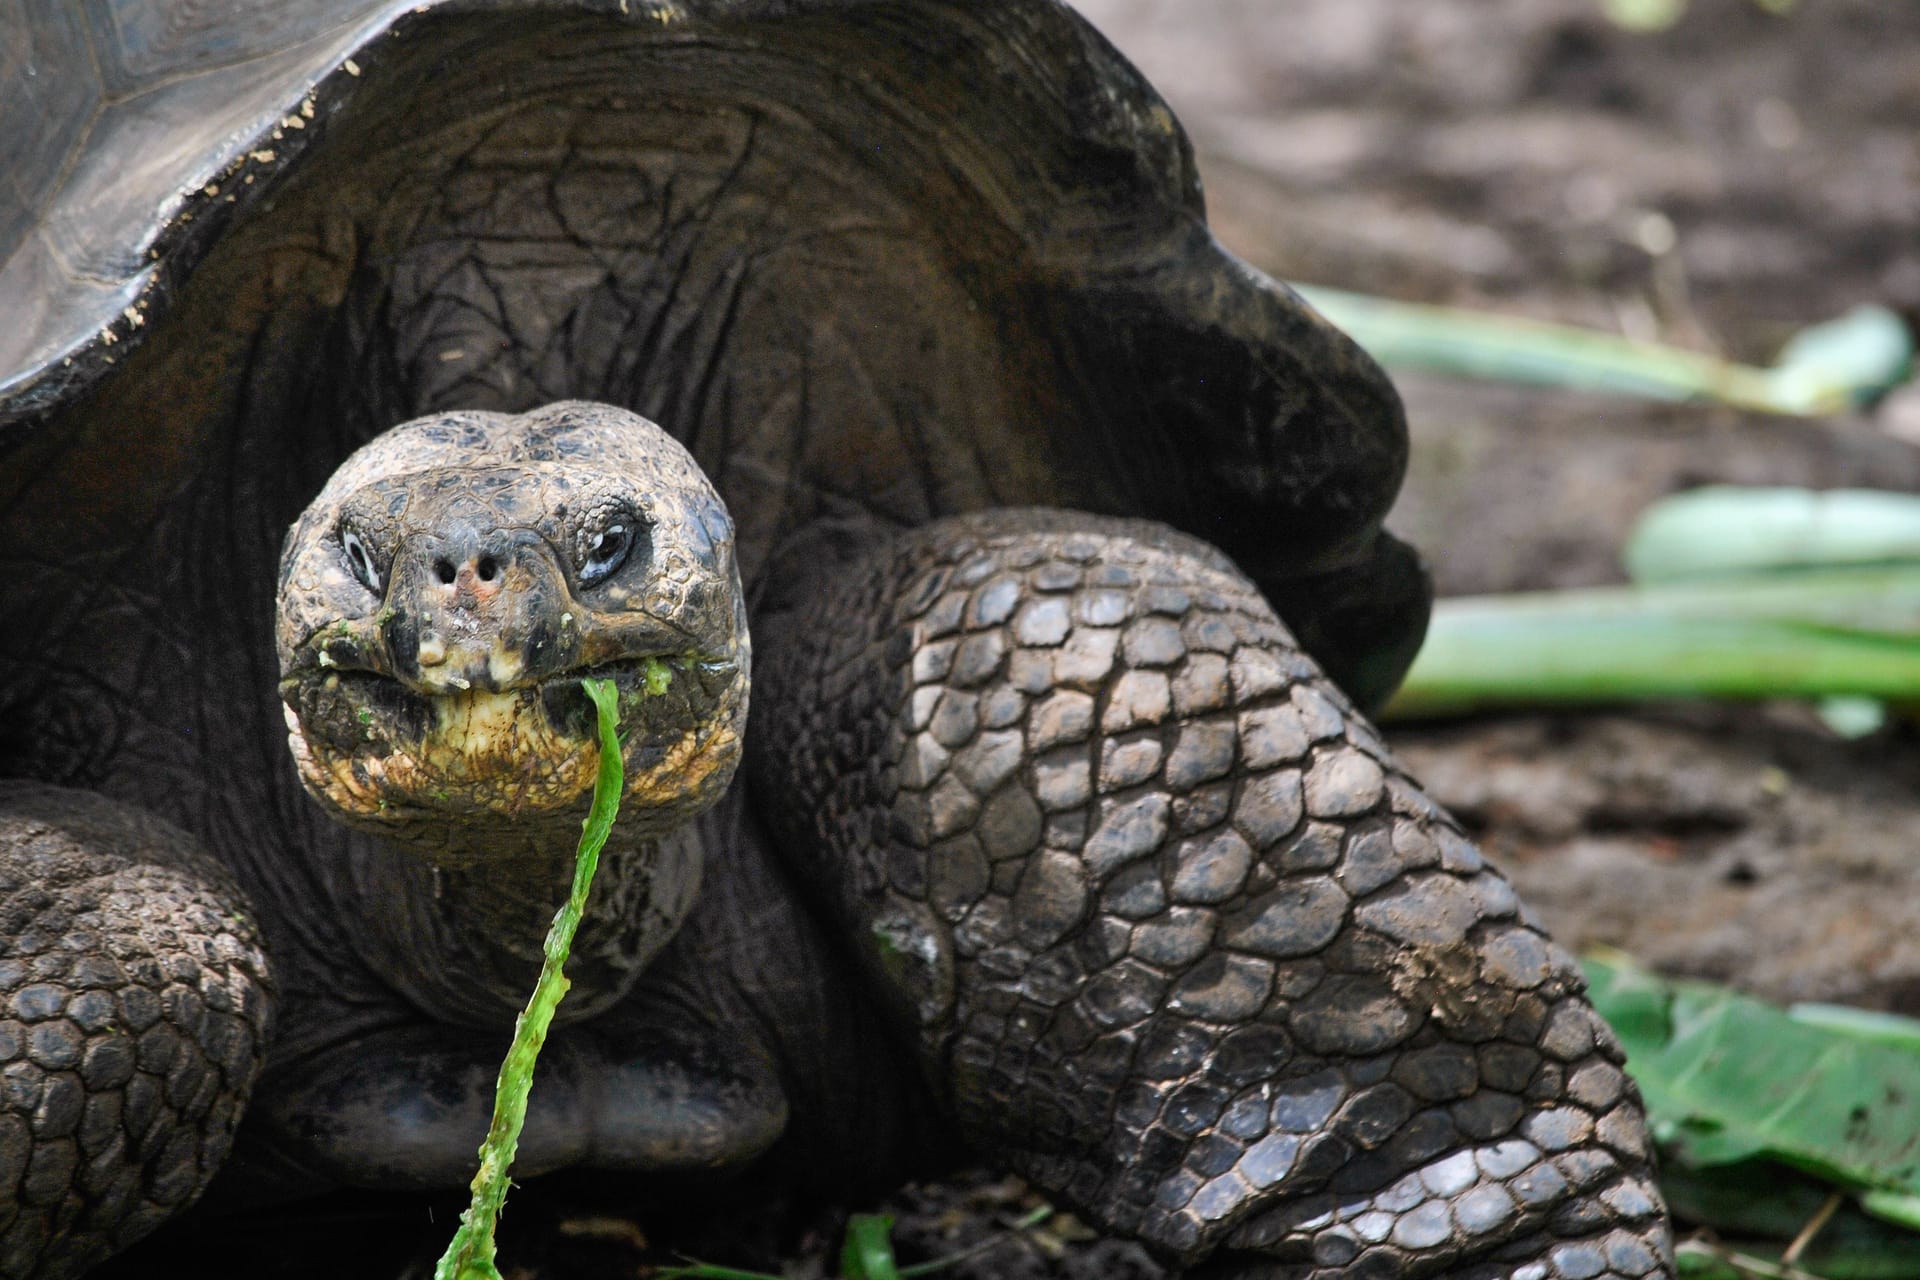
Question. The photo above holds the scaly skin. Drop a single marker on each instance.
(133, 1020)
(1170, 932)
(1176, 936)
(865, 294)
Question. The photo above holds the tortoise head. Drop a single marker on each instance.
(444, 595)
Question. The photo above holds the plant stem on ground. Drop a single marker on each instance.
(1839, 632)
(1828, 368)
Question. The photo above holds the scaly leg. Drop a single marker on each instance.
(1177, 938)
(133, 1022)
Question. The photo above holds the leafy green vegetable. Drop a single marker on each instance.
(1728, 1078)
(1644, 15)
(1738, 593)
(1763, 1113)
(470, 1255)
(1867, 351)
(1658, 15)
(1861, 1024)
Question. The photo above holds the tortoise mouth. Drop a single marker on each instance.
(678, 688)
(405, 708)
(384, 755)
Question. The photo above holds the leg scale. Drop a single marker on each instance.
(1173, 931)
(133, 1019)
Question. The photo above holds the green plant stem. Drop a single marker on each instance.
(1848, 632)
(1732, 531)
(1844, 361)
(470, 1255)
(1513, 349)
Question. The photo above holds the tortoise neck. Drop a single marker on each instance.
(465, 942)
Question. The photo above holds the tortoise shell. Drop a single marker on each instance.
(879, 261)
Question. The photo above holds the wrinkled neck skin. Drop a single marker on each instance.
(462, 939)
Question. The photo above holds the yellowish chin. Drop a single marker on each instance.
(499, 754)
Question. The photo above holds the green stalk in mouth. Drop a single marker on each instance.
(470, 1254)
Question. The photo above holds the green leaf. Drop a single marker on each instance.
(1750, 1198)
(1738, 593)
(1899, 1208)
(868, 1251)
(1728, 1078)
(1852, 717)
(1861, 1024)
(1478, 344)
(1696, 1264)
(1765, 1205)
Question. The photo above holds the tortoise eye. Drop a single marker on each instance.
(608, 552)
(360, 560)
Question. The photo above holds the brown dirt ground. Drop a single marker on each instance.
(1717, 186)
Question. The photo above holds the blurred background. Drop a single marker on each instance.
(1718, 184)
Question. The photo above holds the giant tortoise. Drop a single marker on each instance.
(1050, 841)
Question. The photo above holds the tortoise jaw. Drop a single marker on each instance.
(448, 770)
(440, 661)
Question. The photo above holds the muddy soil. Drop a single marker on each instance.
(1718, 186)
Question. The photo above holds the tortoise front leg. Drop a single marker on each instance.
(1178, 940)
(133, 1016)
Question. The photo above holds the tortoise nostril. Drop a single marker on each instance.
(443, 570)
(489, 568)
